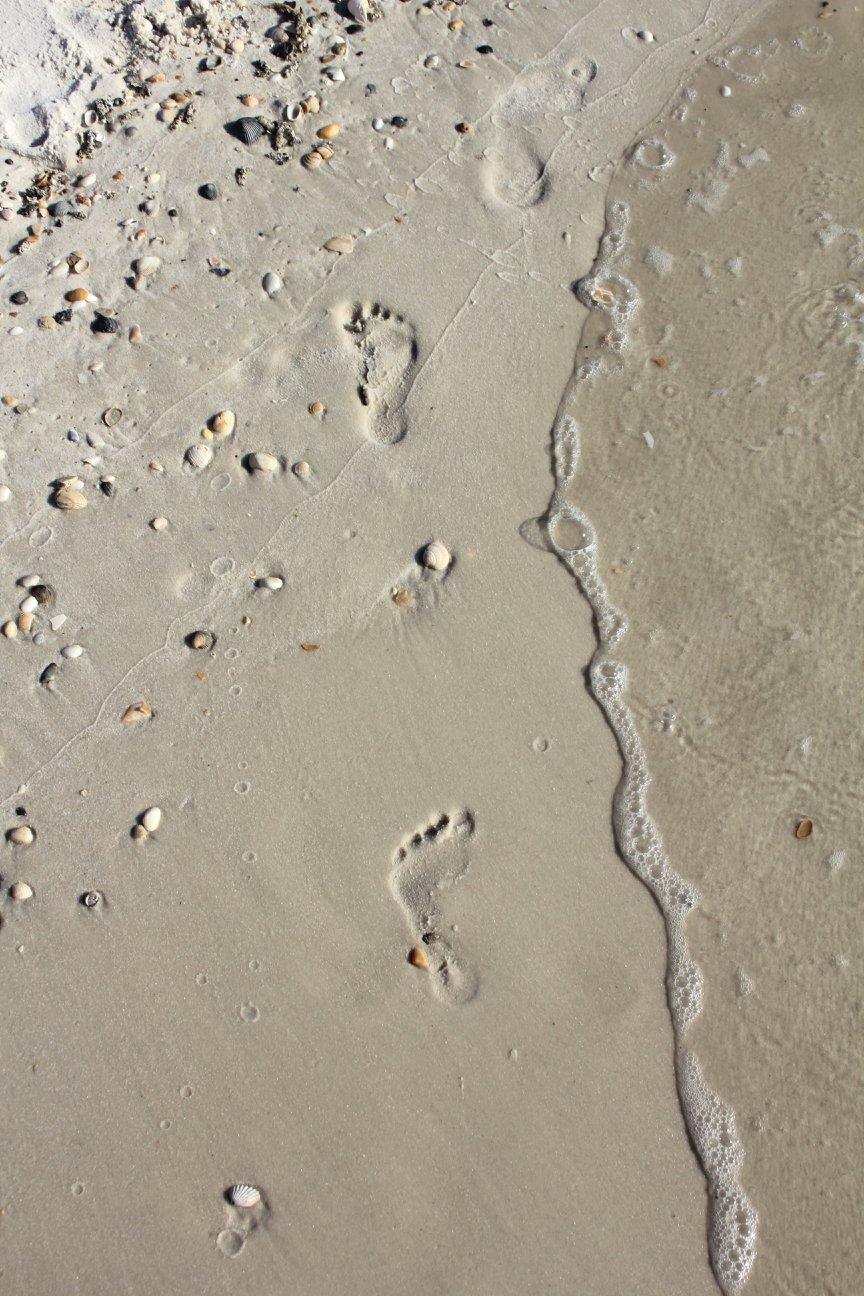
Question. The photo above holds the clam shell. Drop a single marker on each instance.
(68, 499)
(223, 423)
(151, 819)
(249, 129)
(263, 461)
(245, 1195)
(199, 456)
(271, 283)
(358, 11)
(293, 112)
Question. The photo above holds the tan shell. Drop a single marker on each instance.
(223, 423)
(328, 132)
(137, 712)
(146, 266)
(21, 891)
(437, 556)
(69, 499)
(340, 243)
(21, 835)
(417, 957)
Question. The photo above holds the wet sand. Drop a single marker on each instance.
(374, 757)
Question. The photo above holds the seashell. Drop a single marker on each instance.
(358, 11)
(21, 835)
(311, 104)
(263, 461)
(324, 151)
(77, 295)
(417, 957)
(105, 324)
(112, 416)
(293, 112)
(270, 582)
(223, 423)
(200, 640)
(437, 556)
(89, 118)
(199, 456)
(146, 266)
(21, 891)
(59, 268)
(151, 819)
(311, 160)
(68, 499)
(91, 899)
(342, 243)
(244, 1195)
(329, 132)
(249, 129)
(9, 629)
(71, 651)
(317, 409)
(301, 469)
(334, 74)
(136, 713)
(271, 283)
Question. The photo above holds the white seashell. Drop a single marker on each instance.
(334, 74)
(151, 819)
(271, 283)
(146, 266)
(21, 891)
(293, 112)
(223, 423)
(199, 456)
(23, 835)
(71, 651)
(27, 582)
(270, 582)
(28, 604)
(437, 556)
(58, 269)
(263, 461)
(244, 1195)
(68, 498)
(358, 11)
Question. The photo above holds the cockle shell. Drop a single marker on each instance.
(244, 1195)
(249, 129)
(199, 456)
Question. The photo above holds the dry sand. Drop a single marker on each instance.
(375, 751)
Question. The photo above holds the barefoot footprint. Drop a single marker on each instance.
(388, 360)
(428, 863)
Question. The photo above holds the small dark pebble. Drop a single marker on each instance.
(371, 88)
(209, 191)
(399, 122)
(108, 488)
(485, 49)
(63, 316)
(173, 213)
(90, 899)
(105, 324)
(19, 298)
(48, 674)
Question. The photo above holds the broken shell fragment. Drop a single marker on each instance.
(137, 712)
(417, 957)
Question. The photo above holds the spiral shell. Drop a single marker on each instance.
(244, 1195)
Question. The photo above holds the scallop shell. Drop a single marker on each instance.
(199, 456)
(249, 129)
(244, 1195)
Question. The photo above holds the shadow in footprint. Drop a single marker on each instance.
(387, 346)
(426, 865)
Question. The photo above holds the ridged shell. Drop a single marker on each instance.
(249, 129)
(199, 456)
(244, 1195)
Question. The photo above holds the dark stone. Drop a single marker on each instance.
(208, 191)
(399, 122)
(105, 324)
(19, 298)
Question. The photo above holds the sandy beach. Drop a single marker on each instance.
(430, 761)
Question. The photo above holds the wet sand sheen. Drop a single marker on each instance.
(357, 753)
